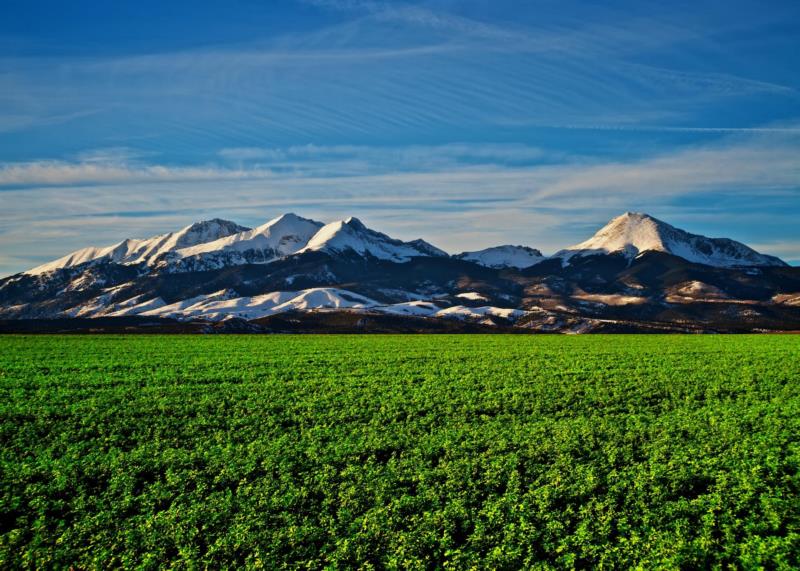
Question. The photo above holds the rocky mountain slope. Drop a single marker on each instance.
(636, 274)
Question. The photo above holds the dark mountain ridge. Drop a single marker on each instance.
(628, 277)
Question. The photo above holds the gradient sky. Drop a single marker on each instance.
(468, 123)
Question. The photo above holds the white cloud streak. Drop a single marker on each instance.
(765, 165)
(453, 200)
(785, 249)
(61, 173)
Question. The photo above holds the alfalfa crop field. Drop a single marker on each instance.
(400, 452)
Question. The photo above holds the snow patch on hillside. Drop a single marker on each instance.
(220, 305)
(472, 296)
(477, 313)
(226, 304)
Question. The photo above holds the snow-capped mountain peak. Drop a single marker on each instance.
(191, 235)
(506, 256)
(354, 222)
(276, 238)
(135, 251)
(216, 270)
(282, 236)
(632, 233)
(351, 235)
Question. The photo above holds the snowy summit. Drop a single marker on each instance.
(132, 251)
(633, 233)
(351, 235)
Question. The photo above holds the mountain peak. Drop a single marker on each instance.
(630, 217)
(352, 235)
(201, 232)
(354, 222)
(633, 233)
(636, 215)
(210, 222)
(287, 217)
(280, 236)
(135, 251)
(287, 220)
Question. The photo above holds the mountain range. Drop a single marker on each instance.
(637, 273)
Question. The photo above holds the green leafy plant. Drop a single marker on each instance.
(400, 452)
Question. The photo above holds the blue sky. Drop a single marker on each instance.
(469, 123)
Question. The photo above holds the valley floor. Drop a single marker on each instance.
(400, 451)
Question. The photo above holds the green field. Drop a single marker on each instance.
(402, 452)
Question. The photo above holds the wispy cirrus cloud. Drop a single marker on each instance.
(420, 15)
(789, 250)
(742, 161)
(63, 173)
(16, 122)
(392, 70)
(121, 165)
(750, 164)
(339, 159)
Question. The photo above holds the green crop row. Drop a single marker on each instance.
(400, 452)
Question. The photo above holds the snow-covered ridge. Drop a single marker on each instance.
(279, 237)
(226, 304)
(351, 235)
(321, 271)
(633, 233)
(285, 234)
(133, 251)
(507, 256)
(217, 243)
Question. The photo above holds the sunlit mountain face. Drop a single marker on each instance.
(636, 273)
